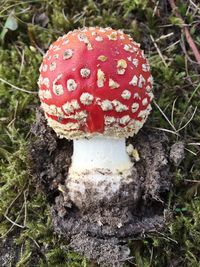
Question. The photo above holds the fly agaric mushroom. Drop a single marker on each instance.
(96, 88)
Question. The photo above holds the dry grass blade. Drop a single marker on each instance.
(193, 93)
(192, 181)
(17, 88)
(194, 144)
(14, 222)
(187, 33)
(188, 120)
(192, 152)
(165, 130)
(172, 112)
(165, 116)
(162, 37)
(158, 50)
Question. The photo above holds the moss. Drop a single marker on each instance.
(23, 212)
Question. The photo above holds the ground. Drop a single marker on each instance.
(27, 29)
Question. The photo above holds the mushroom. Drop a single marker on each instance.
(95, 88)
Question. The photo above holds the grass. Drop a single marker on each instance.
(27, 29)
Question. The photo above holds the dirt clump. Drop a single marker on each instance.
(101, 232)
(177, 153)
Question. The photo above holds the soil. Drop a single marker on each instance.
(9, 252)
(102, 231)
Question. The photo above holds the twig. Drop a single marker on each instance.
(182, 43)
(187, 33)
(195, 6)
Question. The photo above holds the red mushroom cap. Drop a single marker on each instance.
(95, 81)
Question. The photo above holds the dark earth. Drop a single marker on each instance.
(9, 252)
(102, 231)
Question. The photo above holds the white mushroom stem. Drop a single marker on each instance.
(99, 167)
(100, 153)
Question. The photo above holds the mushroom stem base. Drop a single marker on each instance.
(99, 186)
(99, 168)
